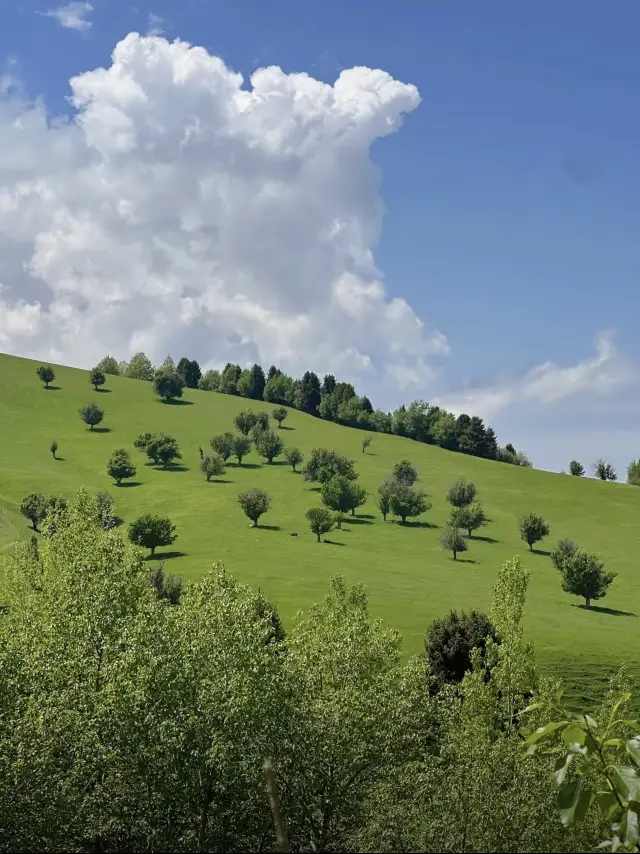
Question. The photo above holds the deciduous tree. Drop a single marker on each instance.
(140, 368)
(565, 550)
(405, 472)
(149, 532)
(576, 468)
(533, 528)
(294, 457)
(33, 507)
(461, 493)
(280, 415)
(407, 502)
(254, 503)
(269, 445)
(583, 574)
(452, 540)
(120, 467)
(212, 466)
(46, 374)
(241, 447)
(167, 384)
(97, 378)
(450, 641)
(604, 470)
(320, 521)
(91, 414)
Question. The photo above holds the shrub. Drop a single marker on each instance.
(168, 587)
(46, 374)
(461, 493)
(565, 549)
(280, 415)
(269, 445)
(576, 468)
(604, 470)
(405, 472)
(97, 378)
(152, 531)
(320, 521)
(241, 447)
(167, 384)
(633, 473)
(583, 574)
(407, 502)
(532, 529)
(143, 440)
(254, 502)
(33, 507)
(53, 447)
(294, 457)
(212, 466)
(120, 467)
(163, 449)
(91, 414)
(451, 540)
(450, 641)
(469, 518)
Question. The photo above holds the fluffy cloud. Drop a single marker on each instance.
(73, 16)
(182, 211)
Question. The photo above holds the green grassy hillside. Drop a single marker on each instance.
(409, 579)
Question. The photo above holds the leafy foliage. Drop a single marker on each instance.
(245, 421)
(149, 532)
(583, 574)
(633, 473)
(212, 466)
(324, 464)
(91, 414)
(168, 588)
(53, 447)
(533, 528)
(269, 445)
(120, 467)
(189, 372)
(167, 384)
(241, 447)
(109, 365)
(320, 521)
(565, 549)
(461, 493)
(46, 374)
(280, 414)
(451, 540)
(450, 641)
(139, 368)
(404, 472)
(469, 517)
(294, 457)
(254, 503)
(338, 495)
(97, 378)
(604, 470)
(33, 507)
(366, 441)
(223, 445)
(576, 468)
(162, 449)
(407, 502)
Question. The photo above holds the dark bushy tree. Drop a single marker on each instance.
(449, 643)
(583, 574)
(46, 374)
(97, 378)
(307, 396)
(245, 421)
(254, 503)
(167, 384)
(229, 379)
(258, 382)
(279, 389)
(407, 502)
(451, 540)
(33, 507)
(405, 472)
(269, 445)
(565, 549)
(212, 466)
(168, 588)
(461, 493)
(189, 372)
(149, 532)
(120, 467)
(91, 414)
(54, 449)
(337, 495)
(280, 415)
(604, 470)
(320, 521)
(163, 449)
(323, 464)
(266, 611)
(533, 528)
(576, 468)
(223, 445)
(244, 385)
(294, 457)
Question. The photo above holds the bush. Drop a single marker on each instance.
(320, 521)
(143, 440)
(461, 493)
(576, 468)
(633, 473)
(168, 587)
(167, 384)
(120, 466)
(269, 445)
(532, 529)
(469, 518)
(323, 464)
(565, 549)
(451, 540)
(212, 466)
(255, 503)
(97, 378)
(241, 446)
(280, 415)
(149, 532)
(91, 414)
(404, 472)
(53, 447)
(407, 502)
(109, 366)
(604, 470)
(294, 457)
(337, 495)
(105, 509)
(33, 507)
(450, 641)
(163, 449)
(46, 374)
(223, 445)
(583, 574)
(245, 421)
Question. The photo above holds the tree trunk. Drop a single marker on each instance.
(255, 523)
(34, 522)
(118, 481)
(455, 555)
(384, 516)
(318, 536)
(469, 532)
(153, 550)
(403, 520)
(90, 426)
(353, 511)
(587, 602)
(339, 524)
(530, 547)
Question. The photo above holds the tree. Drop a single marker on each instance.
(451, 540)
(407, 502)
(167, 384)
(269, 445)
(241, 447)
(405, 472)
(258, 382)
(279, 389)
(576, 468)
(532, 529)
(168, 588)
(149, 532)
(163, 449)
(189, 372)
(320, 521)
(143, 440)
(633, 473)
(91, 414)
(54, 448)
(96, 378)
(244, 385)
(583, 574)
(450, 641)
(604, 470)
(469, 518)
(105, 506)
(280, 415)
(358, 497)
(294, 457)
(254, 503)
(461, 493)
(565, 550)
(307, 396)
(212, 466)
(245, 421)
(109, 365)
(384, 497)
(33, 507)
(46, 374)
(323, 464)
(328, 384)
(140, 368)
(210, 381)
(366, 442)
(120, 467)
(337, 494)
(229, 379)
(223, 445)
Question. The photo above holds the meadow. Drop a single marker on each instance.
(409, 579)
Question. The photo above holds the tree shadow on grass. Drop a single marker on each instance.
(103, 390)
(218, 480)
(101, 430)
(269, 528)
(128, 484)
(286, 427)
(278, 463)
(165, 556)
(52, 388)
(246, 465)
(59, 459)
(332, 542)
(540, 552)
(357, 520)
(177, 468)
(481, 539)
(465, 560)
(409, 524)
(600, 610)
(176, 401)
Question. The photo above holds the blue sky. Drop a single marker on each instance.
(511, 192)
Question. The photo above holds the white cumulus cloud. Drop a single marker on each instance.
(73, 16)
(180, 210)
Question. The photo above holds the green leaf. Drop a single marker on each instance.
(587, 797)
(633, 749)
(614, 742)
(631, 828)
(532, 708)
(608, 803)
(562, 766)
(568, 797)
(627, 781)
(544, 731)
(574, 735)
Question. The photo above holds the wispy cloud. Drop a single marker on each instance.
(155, 25)
(73, 16)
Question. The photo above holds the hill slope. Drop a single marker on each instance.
(409, 579)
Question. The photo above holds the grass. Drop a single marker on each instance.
(410, 580)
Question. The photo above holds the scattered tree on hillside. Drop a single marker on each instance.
(280, 415)
(212, 466)
(449, 644)
(254, 503)
(358, 496)
(54, 448)
(633, 473)
(149, 532)
(604, 470)
(229, 379)
(583, 574)
(269, 445)
(576, 468)
(407, 502)
(320, 521)
(109, 365)
(163, 449)
(241, 447)
(97, 378)
(189, 372)
(337, 494)
(55, 508)
(139, 368)
(168, 588)
(384, 497)
(245, 421)
(46, 374)
(323, 464)
(33, 507)
(167, 384)
(532, 529)
(91, 414)
(461, 493)
(223, 445)
(120, 466)
(366, 441)
(565, 550)
(143, 440)
(405, 472)
(294, 457)
(451, 540)
(469, 517)
(210, 381)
